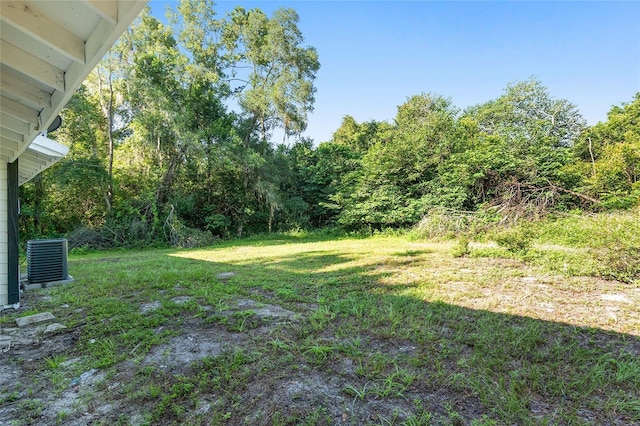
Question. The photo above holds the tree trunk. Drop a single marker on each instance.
(593, 160)
(272, 213)
(167, 181)
(107, 110)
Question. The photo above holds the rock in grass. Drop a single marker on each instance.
(151, 306)
(53, 328)
(34, 319)
(615, 298)
(5, 343)
(225, 276)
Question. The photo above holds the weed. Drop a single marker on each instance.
(356, 392)
(394, 385)
(619, 262)
(352, 347)
(454, 417)
(54, 361)
(30, 409)
(242, 320)
(10, 397)
(442, 222)
(321, 317)
(279, 344)
(394, 417)
(516, 240)
(318, 352)
(420, 418)
(484, 421)
(461, 247)
(61, 417)
(104, 352)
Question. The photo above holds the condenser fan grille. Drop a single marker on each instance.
(47, 260)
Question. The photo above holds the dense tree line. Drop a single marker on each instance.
(171, 142)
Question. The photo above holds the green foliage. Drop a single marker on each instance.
(517, 240)
(596, 231)
(278, 88)
(610, 155)
(391, 186)
(461, 248)
(577, 244)
(517, 146)
(619, 262)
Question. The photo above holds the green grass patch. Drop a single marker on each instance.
(380, 330)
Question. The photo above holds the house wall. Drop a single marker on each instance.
(4, 236)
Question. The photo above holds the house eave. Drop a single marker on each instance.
(41, 154)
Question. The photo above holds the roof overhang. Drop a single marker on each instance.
(47, 48)
(41, 154)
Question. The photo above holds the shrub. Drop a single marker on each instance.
(84, 239)
(442, 222)
(461, 248)
(516, 240)
(180, 235)
(619, 262)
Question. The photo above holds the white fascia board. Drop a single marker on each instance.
(49, 147)
(41, 154)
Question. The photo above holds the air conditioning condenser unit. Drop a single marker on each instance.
(47, 261)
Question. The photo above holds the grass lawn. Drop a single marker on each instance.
(379, 330)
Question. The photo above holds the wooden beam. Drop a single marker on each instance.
(106, 9)
(33, 160)
(9, 148)
(96, 46)
(17, 125)
(12, 135)
(5, 155)
(37, 25)
(31, 66)
(20, 89)
(17, 110)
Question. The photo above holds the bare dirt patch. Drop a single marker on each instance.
(103, 397)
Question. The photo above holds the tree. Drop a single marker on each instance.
(394, 185)
(261, 63)
(610, 156)
(518, 147)
(270, 72)
(105, 85)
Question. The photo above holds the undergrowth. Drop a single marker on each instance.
(605, 245)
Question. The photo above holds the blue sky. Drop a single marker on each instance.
(376, 54)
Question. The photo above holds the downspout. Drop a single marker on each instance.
(13, 250)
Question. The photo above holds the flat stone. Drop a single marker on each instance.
(148, 307)
(52, 328)
(225, 276)
(5, 343)
(181, 300)
(615, 298)
(34, 319)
